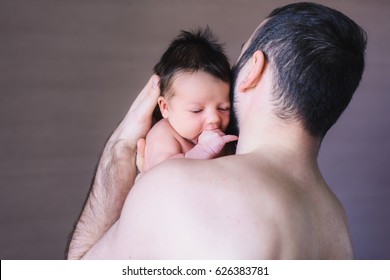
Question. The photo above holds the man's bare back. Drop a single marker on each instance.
(269, 213)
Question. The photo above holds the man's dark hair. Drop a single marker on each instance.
(317, 57)
(191, 52)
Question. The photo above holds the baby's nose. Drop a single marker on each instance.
(213, 121)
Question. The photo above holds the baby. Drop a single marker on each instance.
(194, 103)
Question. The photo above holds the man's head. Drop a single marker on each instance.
(316, 56)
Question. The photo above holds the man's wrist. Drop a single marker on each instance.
(123, 149)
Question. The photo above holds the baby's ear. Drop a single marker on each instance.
(163, 104)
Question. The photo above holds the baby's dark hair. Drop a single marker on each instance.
(190, 52)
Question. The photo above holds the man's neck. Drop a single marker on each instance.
(279, 139)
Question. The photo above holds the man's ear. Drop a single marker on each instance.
(253, 74)
(163, 104)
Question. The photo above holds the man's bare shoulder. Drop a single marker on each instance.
(201, 209)
(235, 207)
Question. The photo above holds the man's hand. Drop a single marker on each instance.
(138, 119)
(210, 144)
(115, 174)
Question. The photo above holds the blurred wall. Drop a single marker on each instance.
(70, 69)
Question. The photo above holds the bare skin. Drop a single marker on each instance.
(223, 215)
(195, 118)
(275, 211)
(269, 201)
(165, 143)
(115, 174)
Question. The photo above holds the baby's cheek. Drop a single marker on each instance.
(225, 123)
(192, 131)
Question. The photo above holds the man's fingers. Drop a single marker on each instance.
(149, 94)
(138, 119)
(141, 143)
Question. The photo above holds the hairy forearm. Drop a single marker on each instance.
(115, 174)
(114, 178)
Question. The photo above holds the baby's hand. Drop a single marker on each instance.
(210, 144)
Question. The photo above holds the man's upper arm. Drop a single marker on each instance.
(145, 222)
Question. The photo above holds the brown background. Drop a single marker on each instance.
(70, 69)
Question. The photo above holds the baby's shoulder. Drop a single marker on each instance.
(161, 128)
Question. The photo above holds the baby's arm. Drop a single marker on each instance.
(161, 145)
(210, 144)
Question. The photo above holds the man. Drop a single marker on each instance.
(295, 76)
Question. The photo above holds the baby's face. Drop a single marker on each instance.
(200, 102)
